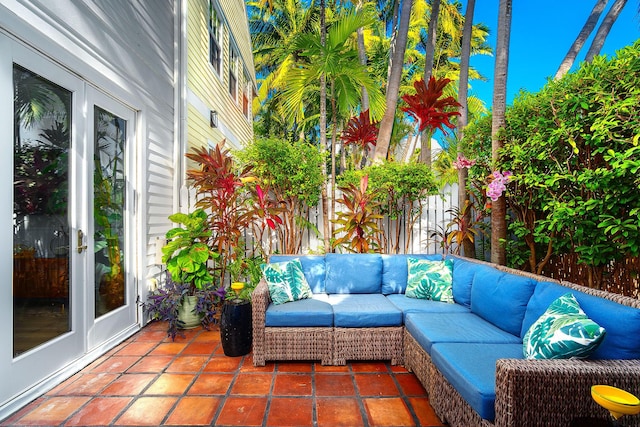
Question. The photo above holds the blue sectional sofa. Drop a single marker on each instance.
(467, 354)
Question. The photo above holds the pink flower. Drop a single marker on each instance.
(498, 184)
(463, 162)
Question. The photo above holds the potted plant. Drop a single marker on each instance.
(189, 297)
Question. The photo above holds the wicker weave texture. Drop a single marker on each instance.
(383, 343)
(299, 344)
(417, 360)
(554, 392)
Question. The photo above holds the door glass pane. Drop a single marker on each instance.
(109, 205)
(42, 140)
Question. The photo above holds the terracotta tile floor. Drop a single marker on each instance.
(149, 381)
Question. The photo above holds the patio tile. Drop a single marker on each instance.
(128, 385)
(252, 384)
(53, 410)
(292, 385)
(294, 367)
(136, 348)
(247, 366)
(425, 413)
(284, 412)
(88, 384)
(207, 384)
(330, 368)
(388, 412)
(151, 364)
(243, 411)
(369, 367)
(201, 347)
(170, 384)
(147, 411)
(99, 411)
(410, 385)
(376, 385)
(187, 364)
(193, 410)
(168, 348)
(117, 364)
(342, 412)
(222, 364)
(334, 385)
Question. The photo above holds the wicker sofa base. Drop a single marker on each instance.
(295, 344)
(385, 343)
(417, 360)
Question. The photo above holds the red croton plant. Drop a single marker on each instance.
(428, 107)
(360, 131)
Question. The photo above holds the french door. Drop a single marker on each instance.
(66, 211)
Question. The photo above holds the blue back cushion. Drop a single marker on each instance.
(394, 271)
(353, 273)
(463, 272)
(312, 266)
(501, 298)
(622, 323)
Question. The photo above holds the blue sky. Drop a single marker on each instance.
(541, 33)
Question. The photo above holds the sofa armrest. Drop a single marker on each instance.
(554, 392)
(259, 302)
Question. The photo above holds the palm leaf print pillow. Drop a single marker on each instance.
(563, 331)
(430, 279)
(286, 281)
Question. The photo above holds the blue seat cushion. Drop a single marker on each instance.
(416, 305)
(363, 311)
(353, 273)
(463, 272)
(501, 298)
(394, 271)
(431, 328)
(471, 369)
(312, 266)
(621, 322)
(311, 312)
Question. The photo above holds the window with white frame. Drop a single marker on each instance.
(233, 74)
(215, 38)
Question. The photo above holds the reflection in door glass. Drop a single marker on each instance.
(109, 204)
(41, 282)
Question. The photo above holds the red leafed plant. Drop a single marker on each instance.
(358, 220)
(360, 131)
(427, 106)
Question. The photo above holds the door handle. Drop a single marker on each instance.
(81, 247)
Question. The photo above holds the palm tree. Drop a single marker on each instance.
(603, 30)
(498, 208)
(468, 247)
(425, 137)
(393, 84)
(588, 27)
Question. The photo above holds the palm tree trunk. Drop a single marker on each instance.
(603, 30)
(429, 54)
(499, 105)
(334, 136)
(323, 135)
(362, 56)
(468, 247)
(588, 27)
(393, 85)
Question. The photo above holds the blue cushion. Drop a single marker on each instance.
(363, 310)
(315, 311)
(501, 298)
(353, 273)
(312, 266)
(463, 272)
(622, 323)
(431, 328)
(394, 271)
(415, 305)
(471, 370)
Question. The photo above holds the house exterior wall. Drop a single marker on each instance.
(126, 50)
(208, 90)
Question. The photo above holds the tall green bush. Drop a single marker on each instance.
(574, 150)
